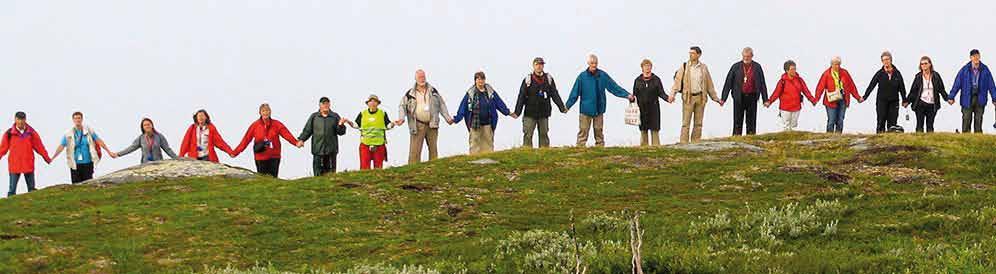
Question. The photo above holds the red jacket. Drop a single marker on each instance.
(826, 84)
(789, 91)
(270, 130)
(22, 147)
(189, 146)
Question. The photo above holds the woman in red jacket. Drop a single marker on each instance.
(839, 87)
(789, 92)
(22, 142)
(202, 138)
(266, 132)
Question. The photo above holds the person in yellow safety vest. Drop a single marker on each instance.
(373, 124)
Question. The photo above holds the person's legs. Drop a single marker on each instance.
(931, 113)
(966, 119)
(584, 124)
(316, 165)
(544, 132)
(892, 119)
(12, 188)
(29, 179)
(686, 119)
(261, 167)
(379, 156)
(921, 115)
(415, 143)
(598, 123)
(331, 161)
(881, 115)
(275, 167)
(655, 138)
(644, 138)
(487, 139)
(841, 113)
(365, 157)
(432, 141)
(978, 111)
(528, 127)
(699, 113)
(751, 113)
(739, 109)
(85, 171)
(473, 139)
(831, 119)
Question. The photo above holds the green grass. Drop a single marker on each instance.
(923, 204)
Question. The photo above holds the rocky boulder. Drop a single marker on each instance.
(172, 169)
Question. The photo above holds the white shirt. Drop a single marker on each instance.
(927, 95)
(695, 72)
(203, 133)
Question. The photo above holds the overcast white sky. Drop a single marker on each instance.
(119, 61)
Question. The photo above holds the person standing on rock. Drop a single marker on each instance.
(925, 95)
(422, 106)
(202, 138)
(481, 106)
(265, 133)
(323, 128)
(789, 92)
(694, 82)
(83, 150)
(590, 87)
(975, 83)
(891, 91)
(535, 94)
(152, 143)
(839, 87)
(373, 124)
(22, 141)
(647, 87)
(746, 81)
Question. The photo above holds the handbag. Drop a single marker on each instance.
(835, 96)
(633, 114)
(259, 147)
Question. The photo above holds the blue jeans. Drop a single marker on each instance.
(835, 118)
(29, 178)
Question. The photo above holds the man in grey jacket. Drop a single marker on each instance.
(325, 126)
(422, 106)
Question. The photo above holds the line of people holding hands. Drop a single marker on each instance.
(423, 108)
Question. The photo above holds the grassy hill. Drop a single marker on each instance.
(807, 203)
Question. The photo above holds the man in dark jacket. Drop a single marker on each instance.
(325, 126)
(535, 93)
(891, 90)
(746, 80)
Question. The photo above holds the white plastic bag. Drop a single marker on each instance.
(633, 114)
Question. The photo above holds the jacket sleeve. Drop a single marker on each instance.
(443, 110)
(555, 95)
(308, 130)
(992, 87)
(850, 88)
(4, 144)
(728, 84)
(132, 148)
(245, 140)
(777, 92)
(164, 145)
(660, 90)
(284, 132)
(614, 88)
(915, 89)
(339, 129)
(762, 85)
(902, 88)
(709, 85)
(461, 110)
(821, 86)
(520, 102)
(220, 142)
(956, 86)
(940, 86)
(402, 107)
(36, 143)
(806, 92)
(871, 86)
(502, 108)
(185, 144)
(679, 75)
(573, 97)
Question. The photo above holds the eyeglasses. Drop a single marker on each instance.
(924, 64)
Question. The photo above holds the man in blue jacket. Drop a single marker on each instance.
(590, 86)
(975, 82)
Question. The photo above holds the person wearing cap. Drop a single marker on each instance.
(480, 106)
(647, 88)
(22, 141)
(694, 82)
(590, 87)
(746, 80)
(536, 92)
(152, 143)
(839, 87)
(891, 91)
(422, 106)
(323, 128)
(83, 150)
(373, 124)
(975, 83)
(266, 133)
(202, 138)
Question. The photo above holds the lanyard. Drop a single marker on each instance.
(151, 142)
(747, 71)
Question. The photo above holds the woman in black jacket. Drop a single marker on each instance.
(925, 95)
(647, 87)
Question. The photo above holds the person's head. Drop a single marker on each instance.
(147, 126)
(646, 66)
(886, 60)
(324, 105)
(201, 117)
(538, 65)
(694, 53)
(479, 79)
(592, 62)
(78, 119)
(20, 119)
(748, 55)
(835, 63)
(420, 77)
(264, 111)
(926, 65)
(790, 68)
(975, 56)
(373, 102)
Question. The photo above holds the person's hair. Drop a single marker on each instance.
(788, 64)
(479, 75)
(835, 59)
(141, 125)
(749, 50)
(207, 121)
(80, 114)
(263, 106)
(973, 52)
(592, 57)
(927, 58)
(697, 49)
(646, 62)
(884, 54)
(323, 100)
(20, 115)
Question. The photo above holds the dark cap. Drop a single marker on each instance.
(20, 115)
(973, 52)
(373, 98)
(538, 60)
(323, 100)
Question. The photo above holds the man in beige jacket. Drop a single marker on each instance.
(693, 81)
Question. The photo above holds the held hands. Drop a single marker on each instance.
(449, 121)
(767, 104)
(299, 144)
(721, 103)
(516, 116)
(951, 102)
(113, 155)
(399, 122)
(632, 98)
(906, 104)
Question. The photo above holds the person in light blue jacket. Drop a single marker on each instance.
(975, 83)
(590, 87)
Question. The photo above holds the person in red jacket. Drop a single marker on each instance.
(202, 138)
(839, 87)
(266, 132)
(789, 92)
(22, 142)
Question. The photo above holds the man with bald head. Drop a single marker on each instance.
(422, 106)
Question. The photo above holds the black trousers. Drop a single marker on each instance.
(925, 114)
(269, 167)
(82, 173)
(745, 110)
(324, 164)
(887, 112)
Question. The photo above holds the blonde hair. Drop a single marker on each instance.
(646, 62)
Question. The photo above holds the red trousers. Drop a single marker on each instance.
(377, 156)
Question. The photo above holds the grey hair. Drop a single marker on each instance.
(749, 50)
(592, 57)
(835, 59)
(886, 53)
